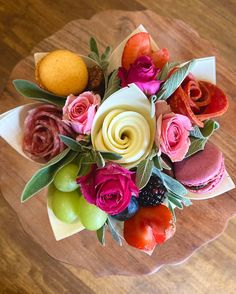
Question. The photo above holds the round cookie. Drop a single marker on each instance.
(203, 171)
(62, 72)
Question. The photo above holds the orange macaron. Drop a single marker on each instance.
(62, 72)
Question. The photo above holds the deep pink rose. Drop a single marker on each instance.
(143, 73)
(110, 188)
(79, 111)
(174, 137)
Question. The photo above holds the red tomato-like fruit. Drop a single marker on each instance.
(149, 226)
(160, 57)
(137, 45)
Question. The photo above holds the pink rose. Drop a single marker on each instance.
(110, 188)
(174, 136)
(143, 73)
(79, 111)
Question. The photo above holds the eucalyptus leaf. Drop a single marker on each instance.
(195, 146)
(101, 235)
(144, 172)
(157, 162)
(32, 91)
(71, 143)
(110, 155)
(113, 231)
(175, 80)
(113, 84)
(44, 176)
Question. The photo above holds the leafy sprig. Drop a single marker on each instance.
(32, 91)
(175, 80)
(200, 136)
(101, 59)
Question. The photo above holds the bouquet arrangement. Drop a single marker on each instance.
(121, 138)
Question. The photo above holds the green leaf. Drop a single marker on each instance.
(153, 100)
(196, 133)
(185, 200)
(113, 84)
(144, 172)
(196, 145)
(94, 56)
(209, 127)
(176, 202)
(98, 158)
(101, 235)
(164, 164)
(170, 183)
(110, 155)
(44, 176)
(57, 158)
(106, 53)
(171, 207)
(93, 46)
(113, 231)
(71, 143)
(166, 69)
(157, 162)
(32, 91)
(175, 80)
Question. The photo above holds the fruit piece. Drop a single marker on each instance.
(153, 193)
(62, 72)
(160, 57)
(137, 45)
(148, 227)
(65, 178)
(91, 217)
(129, 211)
(65, 206)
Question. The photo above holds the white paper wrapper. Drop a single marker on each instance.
(60, 229)
(12, 125)
(205, 69)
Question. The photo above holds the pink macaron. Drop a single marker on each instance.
(203, 171)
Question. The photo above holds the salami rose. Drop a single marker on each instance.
(198, 100)
(41, 129)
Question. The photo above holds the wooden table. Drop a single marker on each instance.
(25, 267)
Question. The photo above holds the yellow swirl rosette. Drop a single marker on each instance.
(123, 125)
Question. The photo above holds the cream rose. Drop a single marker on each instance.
(123, 125)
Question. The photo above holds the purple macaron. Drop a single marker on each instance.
(203, 171)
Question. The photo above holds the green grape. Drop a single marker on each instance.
(65, 178)
(92, 217)
(65, 205)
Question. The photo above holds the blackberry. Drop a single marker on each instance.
(153, 193)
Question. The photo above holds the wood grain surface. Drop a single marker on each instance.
(25, 266)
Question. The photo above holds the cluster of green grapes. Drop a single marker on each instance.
(69, 205)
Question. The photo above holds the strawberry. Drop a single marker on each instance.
(137, 45)
(148, 227)
(160, 57)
